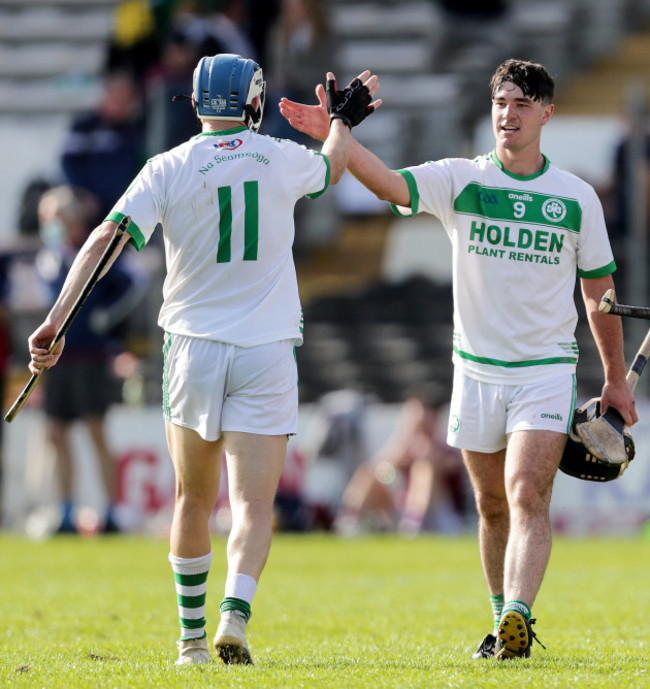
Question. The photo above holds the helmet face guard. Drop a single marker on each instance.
(578, 462)
(224, 88)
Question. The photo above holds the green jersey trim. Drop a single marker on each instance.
(599, 272)
(526, 208)
(223, 132)
(316, 194)
(574, 400)
(516, 364)
(137, 238)
(522, 178)
(415, 195)
(167, 343)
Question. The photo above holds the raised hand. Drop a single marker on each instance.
(314, 120)
(351, 105)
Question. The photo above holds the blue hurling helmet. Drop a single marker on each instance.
(225, 86)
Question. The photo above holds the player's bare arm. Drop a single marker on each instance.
(337, 150)
(370, 170)
(608, 335)
(314, 120)
(82, 267)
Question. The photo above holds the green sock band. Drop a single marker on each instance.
(497, 603)
(516, 606)
(238, 605)
(193, 638)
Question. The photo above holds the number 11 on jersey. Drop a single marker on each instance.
(251, 222)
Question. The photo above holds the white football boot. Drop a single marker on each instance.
(230, 640)
(192, 652)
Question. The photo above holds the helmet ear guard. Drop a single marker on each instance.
(578, 462)
(257, 89)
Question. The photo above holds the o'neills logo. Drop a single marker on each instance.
(521, 197)
(228, 145)
(555, 417)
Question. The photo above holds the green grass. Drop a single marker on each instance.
(369, 612)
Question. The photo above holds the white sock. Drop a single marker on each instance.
(240, 586)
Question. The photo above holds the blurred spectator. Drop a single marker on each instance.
(170, 124)
(290, 510)
(104, 149)
(416, 482)
(134, 45)
(81, 386)
(216, 26)
(300, 53)
(228, 25)
(335, 445)
(28, 224)
(479, 29)
(617, 204)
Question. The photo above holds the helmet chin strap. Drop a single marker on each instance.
(184, 96)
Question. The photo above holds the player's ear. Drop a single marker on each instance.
(548, 113)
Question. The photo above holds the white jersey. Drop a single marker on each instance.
(225, 201)
(518, 245)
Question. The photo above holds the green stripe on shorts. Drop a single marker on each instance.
(167, 412)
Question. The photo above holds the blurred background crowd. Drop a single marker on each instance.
(86, 97)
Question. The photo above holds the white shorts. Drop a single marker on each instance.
(481, 415)
(213, 387)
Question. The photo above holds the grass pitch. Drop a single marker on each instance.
(376, 612)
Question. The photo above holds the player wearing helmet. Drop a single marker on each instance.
(521, 230)
(230, 89)
(231, 317)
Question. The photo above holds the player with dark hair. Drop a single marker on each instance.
(521, 230)
(231, 315)
(532, 79)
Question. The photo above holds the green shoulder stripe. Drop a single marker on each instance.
(415, 196)
(599, 272)
(137, 238)
(316, 194)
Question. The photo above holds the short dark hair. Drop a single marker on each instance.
(532, 78)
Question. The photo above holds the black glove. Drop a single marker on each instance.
(352, 105)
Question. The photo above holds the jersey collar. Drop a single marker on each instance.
(523, 178)
(225, 132)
